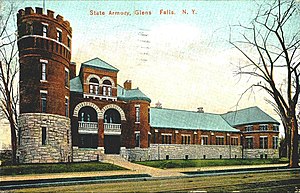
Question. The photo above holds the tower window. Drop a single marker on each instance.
(67, 106)
(44, 72)
(66, 77)
(137, 139)
(137, 114)
(69, 42)
(43, 102)
(44, 135)
(45, 30)
(59, 35)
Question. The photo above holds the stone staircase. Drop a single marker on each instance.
(141, 169)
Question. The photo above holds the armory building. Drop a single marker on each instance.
(65, 118)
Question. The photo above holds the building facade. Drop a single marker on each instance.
(65, 117)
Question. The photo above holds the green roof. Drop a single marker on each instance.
(99, 64)
(132, 94)
(75, 85)
(248, 116)
(180, 119)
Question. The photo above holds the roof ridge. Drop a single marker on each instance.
(190, 111)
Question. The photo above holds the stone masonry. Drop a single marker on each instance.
(178, 151)
(58, 138)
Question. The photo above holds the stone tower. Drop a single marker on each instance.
(44, 44)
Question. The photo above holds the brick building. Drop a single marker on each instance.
(67, 117)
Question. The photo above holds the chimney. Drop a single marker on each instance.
(72, 70)
(127, 85)
(200, 110)
(158, 105)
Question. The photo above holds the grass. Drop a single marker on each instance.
(204, 163)
(57, 168)
(253, 182)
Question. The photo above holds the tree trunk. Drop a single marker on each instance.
(13, 144)
(294, 159)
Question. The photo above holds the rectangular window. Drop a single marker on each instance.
(44, 135)
(59, 35)
(137, 114)
(219, 140)
(204, 140)
(45, 30)
(137, 140)
(67, 107)
(263, 127)
(234, 141)
(109, 91)
(44, 102)
(275, 127)
(44, 71)
(104, 91)
(166, 138)
(263, 142)
(19, 136)
(185, 139)
(275, 142)
(249, 143)
(69, 42)
(66, 77)
(249, 128)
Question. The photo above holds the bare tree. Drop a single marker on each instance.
(271, 47)
(9, 95)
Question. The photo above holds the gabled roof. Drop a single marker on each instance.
(180, 119)
(132, 94)
(99, 64)
(248, 116)
(76, 85)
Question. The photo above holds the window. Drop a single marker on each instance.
(69, 42)
(249, 128)
(137, 140)
(59, 35)
(43, 74)
(185, 139)
(275, 142)
(204, 140)
(219, 140)
(109, 91)
(43, 102)
(94, 86)
(44, 135)
(19, 136)
(45, 30)
(67, 106)
(263, 142)
(249, 143)
(166, 138)
(137, 114)
(234, 141)
(275, 127)
(66, 77)
(104, 91)
(263, 127)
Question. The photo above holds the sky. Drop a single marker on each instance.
(182, 60)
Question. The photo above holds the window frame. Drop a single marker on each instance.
(44, 135)
(137, 113)
(43, 98)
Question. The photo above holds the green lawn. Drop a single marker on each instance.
(205, 163)
(57, 168)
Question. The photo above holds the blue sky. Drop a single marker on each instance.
(189, 62)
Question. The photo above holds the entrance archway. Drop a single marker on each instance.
(112, 131)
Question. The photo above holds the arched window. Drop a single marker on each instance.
(94, 86)
(106, 90)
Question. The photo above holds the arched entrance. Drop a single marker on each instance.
(112, 131)
(87, 127)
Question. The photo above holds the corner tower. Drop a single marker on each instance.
(44, 44)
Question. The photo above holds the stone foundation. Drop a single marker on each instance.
(57, 147)
(87, 154)
(261, 153)
(178, 151)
